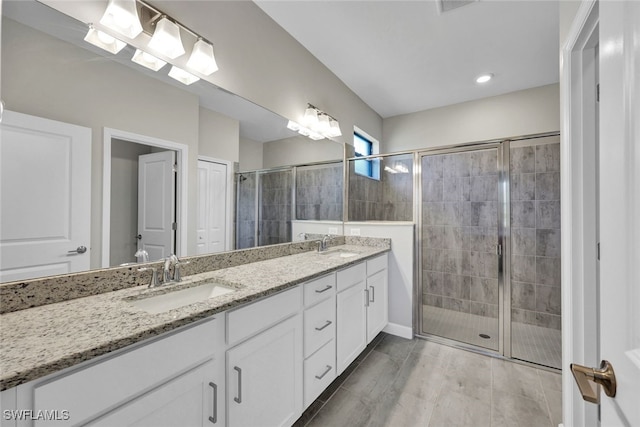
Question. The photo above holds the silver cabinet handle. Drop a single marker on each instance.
(373, 294)
(319, 291)
(214, 419)
(321, 376)
(78, 250)
(323, 326)
(366, 297)
(239, 398)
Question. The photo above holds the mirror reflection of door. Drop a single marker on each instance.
(211, 221)
(143, 202)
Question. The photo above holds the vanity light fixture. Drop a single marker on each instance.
(104, 40)
(202, 59)
(166, 39)
(122, 17)
(147, 60)
(182, 76)
(484, 78)
(316, 124)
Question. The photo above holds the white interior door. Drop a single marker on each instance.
(45, 197)
(212, 207)
(156, 204)
(620, 207)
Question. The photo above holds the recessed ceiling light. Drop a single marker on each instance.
(484, 78)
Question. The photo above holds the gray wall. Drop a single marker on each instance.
(319, 192)
(250, 154)
(517, 113)
(535, 235)
(299, 150)
(275, 207)
(246, 210)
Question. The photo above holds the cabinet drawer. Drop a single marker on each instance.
(319, 325)
(106, 384)
(247, 321)
(351, 276)
(377, 264)
(319, 372)
(319, 289)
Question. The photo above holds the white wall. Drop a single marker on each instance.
(251, 153)
(298, 150)
(219, 136)
(518, 113)
(400, 271)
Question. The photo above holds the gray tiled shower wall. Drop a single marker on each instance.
(319, 192)
(275, 207)
(388, 199)
(459, 233)
(246, 210)
(535, 235)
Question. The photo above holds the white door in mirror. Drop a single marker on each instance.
(45, 197)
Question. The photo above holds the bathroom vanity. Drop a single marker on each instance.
(259, 353)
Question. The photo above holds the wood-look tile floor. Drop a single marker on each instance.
(404, 383)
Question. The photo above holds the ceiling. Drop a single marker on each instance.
(405, 56)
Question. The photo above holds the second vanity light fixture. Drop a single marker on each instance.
(123, 17)
(316, 124)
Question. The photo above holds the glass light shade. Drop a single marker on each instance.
(166, 39)
(310, 117)
(122, 16)
(315, 136)
(104, 41)
(293, 126)
(334, 129)
(323, 124)
(202, 59)
(304, 131)
(147, 60)
(182, 76)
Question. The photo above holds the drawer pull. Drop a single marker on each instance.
(239, 398)
(323, 326)
(214, 419)
(321, 376)
(373, 294)
(319, 291)
(366, 297)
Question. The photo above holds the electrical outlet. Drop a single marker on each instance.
(355, 231)
(333, 230)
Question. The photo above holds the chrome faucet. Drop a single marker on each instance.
(322, 245)
(171, 263)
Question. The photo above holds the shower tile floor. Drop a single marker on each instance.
(531, 343)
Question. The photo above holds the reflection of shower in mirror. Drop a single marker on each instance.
(242, 178)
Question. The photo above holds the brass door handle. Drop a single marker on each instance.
(589, 378)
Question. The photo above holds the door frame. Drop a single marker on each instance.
(229, 235)
(182, 158)
(578, 251)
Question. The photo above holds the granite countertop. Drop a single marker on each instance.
(42, 340)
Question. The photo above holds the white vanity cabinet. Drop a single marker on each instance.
(362, 307)
(176, 377)
(264, 371)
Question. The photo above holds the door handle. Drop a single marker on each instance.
(139, 236)
(366, 297)
(373, 294)
(323, 326)
(589, 378)
(319, 291)
(78, 250)
(321, 376)
(214, 418)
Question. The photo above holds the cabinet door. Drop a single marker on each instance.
(264, 377)
(351, 321)
(378, 310)
(192, 399)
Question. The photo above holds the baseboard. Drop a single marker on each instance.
(399, 330)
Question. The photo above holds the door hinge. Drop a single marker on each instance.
(499, 250)
(174, 226)
(598, 92)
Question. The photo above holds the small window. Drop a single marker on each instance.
(364, 146)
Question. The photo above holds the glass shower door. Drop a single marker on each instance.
(459, 223)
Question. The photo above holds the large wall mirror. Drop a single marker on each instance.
(156, 148)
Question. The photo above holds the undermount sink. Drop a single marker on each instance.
(169, 301)
(339, 253)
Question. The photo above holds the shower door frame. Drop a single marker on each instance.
(504, 242)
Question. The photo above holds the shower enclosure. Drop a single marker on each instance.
(489, 247)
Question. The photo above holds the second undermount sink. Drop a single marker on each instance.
(165, 302)
(341, 253)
